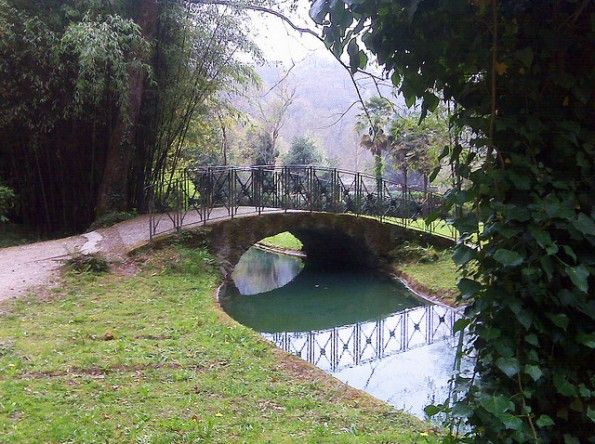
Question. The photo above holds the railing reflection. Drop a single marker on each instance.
(350, 345)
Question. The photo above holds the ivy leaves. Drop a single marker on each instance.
(527, 169)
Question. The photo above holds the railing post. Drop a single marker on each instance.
(358, 194)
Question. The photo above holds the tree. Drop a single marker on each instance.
(520, 74)
(373, 125)
(96, 99)
(262, 147)
(303, 151)
(416, 145)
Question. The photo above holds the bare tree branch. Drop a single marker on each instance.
(299, 29)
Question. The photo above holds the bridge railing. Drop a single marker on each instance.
(196, 196)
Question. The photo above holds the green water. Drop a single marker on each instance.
(313, 300)
(365, 329)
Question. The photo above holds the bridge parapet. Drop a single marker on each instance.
(197, 196)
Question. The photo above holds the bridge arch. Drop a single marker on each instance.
(338, 215)
(339, 239)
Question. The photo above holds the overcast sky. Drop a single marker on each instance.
(279, 42)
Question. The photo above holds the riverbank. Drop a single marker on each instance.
(435, 280)
(145, 355)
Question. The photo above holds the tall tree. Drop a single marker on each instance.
(113, 191)
(416, 145)
(373, 126)
(303, 151)
(97, 98)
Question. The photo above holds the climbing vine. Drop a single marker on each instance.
(520, 73)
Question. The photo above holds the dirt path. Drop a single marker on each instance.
(35, 267)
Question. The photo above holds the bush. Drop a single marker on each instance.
(7, 197)
(87, 263)
(413, 252)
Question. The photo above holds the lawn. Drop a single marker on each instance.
(439, 278)
(284, 241)
(149, 358)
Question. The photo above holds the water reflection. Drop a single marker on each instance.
(366, 330)
(259, 271)
(346, 346)
(314, 300)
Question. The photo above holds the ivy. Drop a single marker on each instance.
(520, 74)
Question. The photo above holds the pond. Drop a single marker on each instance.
(365, 329)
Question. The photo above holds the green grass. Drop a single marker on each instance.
(439, 277)
(150, 358)
(285, 240)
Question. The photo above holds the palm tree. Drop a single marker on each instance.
(372, 124)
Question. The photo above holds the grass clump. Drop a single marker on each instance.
(428, 269)
(150, 358)
(284, 241)
(86, 263)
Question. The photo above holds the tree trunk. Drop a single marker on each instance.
(113, 191)
(378, 171)
(405, 186)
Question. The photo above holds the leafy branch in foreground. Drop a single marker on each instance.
(520, 74)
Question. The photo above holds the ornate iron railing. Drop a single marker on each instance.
(350, 345)
(196, 196)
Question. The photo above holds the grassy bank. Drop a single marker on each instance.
(284, 241)
(150, 358)
(427, 269)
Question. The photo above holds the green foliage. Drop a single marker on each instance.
(7, 197)
(261, 147)
(98, 98)
(416, 145)
(372, 124)
(520, 74)
(105, 48)
(87, 263)
(109, 219)
(303, 151)
(413, 251)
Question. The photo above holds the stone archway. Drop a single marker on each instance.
(339, 239)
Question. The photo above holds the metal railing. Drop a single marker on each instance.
(197, 196)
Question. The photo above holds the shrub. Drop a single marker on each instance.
(87, 263)
(7, 197)
(414, 252)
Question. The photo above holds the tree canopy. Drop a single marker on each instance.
(97, 99)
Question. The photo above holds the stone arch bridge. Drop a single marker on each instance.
(340, 216)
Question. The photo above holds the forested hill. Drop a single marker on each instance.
(323, 92)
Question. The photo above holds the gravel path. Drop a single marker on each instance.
(35, 267)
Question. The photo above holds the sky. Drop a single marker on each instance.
(279, 42)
